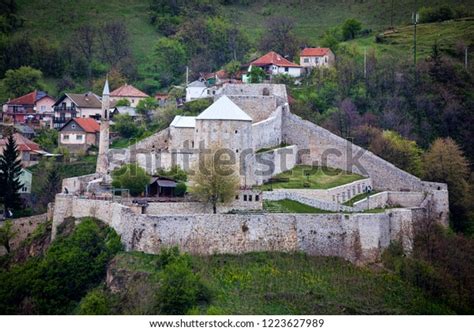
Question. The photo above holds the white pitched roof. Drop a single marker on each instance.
(197, 83)
(224, 109)
(183, 122)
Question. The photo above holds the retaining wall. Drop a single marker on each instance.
(355, 237)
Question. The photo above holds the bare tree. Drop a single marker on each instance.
(279, 36)
(85, 39)
(114, 43)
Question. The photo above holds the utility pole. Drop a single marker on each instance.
(391, 17)
(187, 76)
(465, 58)
(415, 21)
(365, 63)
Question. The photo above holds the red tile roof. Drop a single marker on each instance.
(27, 99)
(128, 91)
(23, 144)
(275, 59)
(314, 51)
(89, 125)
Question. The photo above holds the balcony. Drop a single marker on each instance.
(63, 109)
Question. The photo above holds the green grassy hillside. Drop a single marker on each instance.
(448, 34)
(313, 17)
(56, 19)
(277, 283)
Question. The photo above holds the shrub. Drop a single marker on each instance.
(180, 189)
(95, 302)
(180, 288)
(175, 172)
(439, 14)
(131, 177)
(54, 283)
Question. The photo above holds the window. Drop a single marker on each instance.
(236, 131)
(79, 137)
(245, 197)
(236, 150)
(250, 197)
(66, 137)
(257, 198)
(73, 126)
(236, 197)
(287, 69)
(24, 189)
(43, 108)
(306, 60)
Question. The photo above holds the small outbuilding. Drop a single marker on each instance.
(161, 187)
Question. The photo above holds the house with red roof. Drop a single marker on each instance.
(317, 57)
(128, 92)
(78, 134)
(28, 107)
(275, 64)
(30, 152)
(71, 105)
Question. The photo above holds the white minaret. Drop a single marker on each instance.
(102, 160)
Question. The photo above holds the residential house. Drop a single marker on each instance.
(124, 110)
(26, 178)
(275, 64)
(78, 134)
(30, 152)
(72, 105)
(128, 92)
(196, 90)
(25, 130)
(317, 57)
(29, 107)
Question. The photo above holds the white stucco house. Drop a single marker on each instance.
(317, 57)
(275, 64)
(196, 90)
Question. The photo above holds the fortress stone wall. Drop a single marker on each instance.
(328, 149)
(355, 237)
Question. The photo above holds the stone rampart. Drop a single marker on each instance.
(355, 237)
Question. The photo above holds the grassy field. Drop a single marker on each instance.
(304, 176)
(291, 206)
(313, 17)
(447, 34)
(277, 283)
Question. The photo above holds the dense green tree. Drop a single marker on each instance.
(402, 152)
(232, 68)
(180, 288)
(54, 283)
(131, 177)
(10, 171)
(21, 81)
(125, 126)
(444, 162)
(52, 185)
(169, 61)
(351, 28)
(47, 139)
(147, 105)
(256, 75)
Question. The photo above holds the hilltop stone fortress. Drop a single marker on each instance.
(253, 122)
